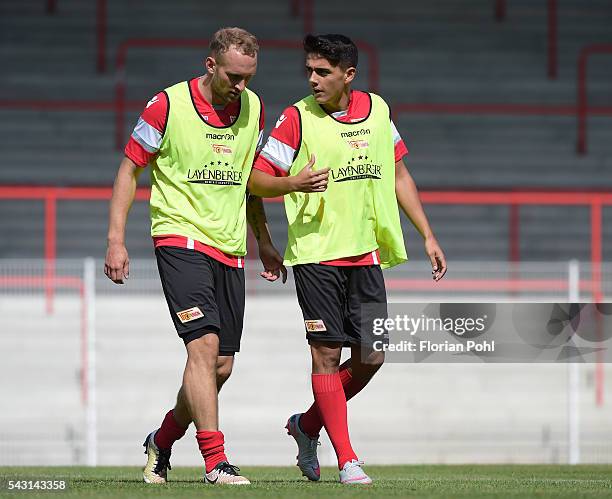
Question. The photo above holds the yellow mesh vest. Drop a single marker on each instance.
(199, 176)
(358, 212)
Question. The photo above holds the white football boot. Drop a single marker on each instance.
(225, 474)
(158, 461)
(352, 474)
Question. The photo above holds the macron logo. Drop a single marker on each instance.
(152, 101)
(279, 122)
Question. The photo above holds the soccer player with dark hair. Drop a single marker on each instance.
(341, 234)
(200, 138)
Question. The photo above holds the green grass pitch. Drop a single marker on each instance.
(429, 481)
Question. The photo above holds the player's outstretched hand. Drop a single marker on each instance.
(310, 180)
(117, 263)
(436, 256)
(272, 263)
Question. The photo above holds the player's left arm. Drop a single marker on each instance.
(408, 199)
(256, 218)
(269, 256)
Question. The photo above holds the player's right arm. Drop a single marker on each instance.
(117, 263)
(139, 151)
(265, 185)
(270, 175)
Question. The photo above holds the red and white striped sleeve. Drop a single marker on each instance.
(278, 154)
(400, 147)
(147, 135)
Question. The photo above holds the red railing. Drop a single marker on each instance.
(580, 111)
(552, 23)
(498, 108)
(101, 28)
(552, 39)
(294, 7)
(595, 200)
(500, 10)
(583, 108)
(306, 8)
(101, 35)
(122, 52)
(63, 282)
(50, 196)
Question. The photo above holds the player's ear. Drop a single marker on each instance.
(349, 75)
(210, 64)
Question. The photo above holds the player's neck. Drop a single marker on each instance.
(205, 88)
(339, 104)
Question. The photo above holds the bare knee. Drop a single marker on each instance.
(202, 352)
(203, 349)
(225, 364)
(325, 357)
(366, 362)
(373, 359)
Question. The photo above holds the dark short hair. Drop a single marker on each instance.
(339, 50)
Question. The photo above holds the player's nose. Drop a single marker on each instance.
(240, 86)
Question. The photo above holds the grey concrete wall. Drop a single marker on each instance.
(409, 413)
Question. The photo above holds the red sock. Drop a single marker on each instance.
(211, 447)
(169, 432)
(310, 421)
(330, 399)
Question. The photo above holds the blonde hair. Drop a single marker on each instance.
(239, 38)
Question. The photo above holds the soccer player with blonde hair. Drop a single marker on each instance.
(200, 138)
